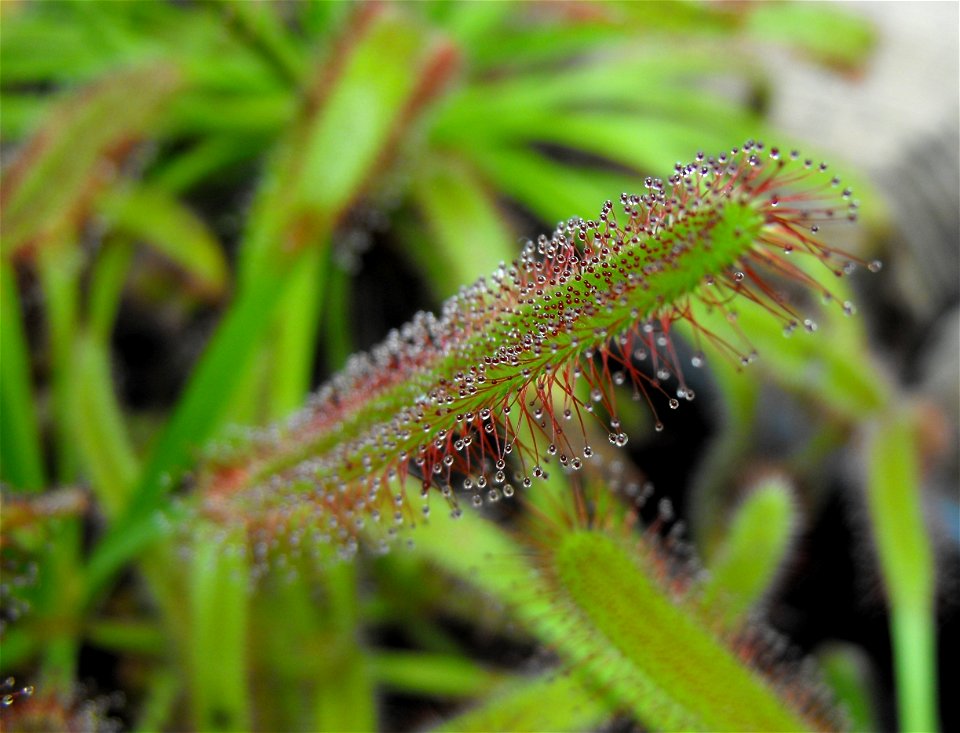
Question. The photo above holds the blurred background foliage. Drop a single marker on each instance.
(207, 206)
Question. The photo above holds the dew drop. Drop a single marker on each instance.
(507, 490)
(810, 325)
(476, 500)
(738, 276)
(658, 427)
(674, 403)
(587, 451)
(849, 308)
(622, 439)
(493, 496)
(7, 700)
(596, 395)
(875, 266)
(665, 509)
(697, 360)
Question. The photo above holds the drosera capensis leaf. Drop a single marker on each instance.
(21, 465)
(219, 608)
(551, 701)
(453, 397)
(49, 187)
(906, 558)
(755, 547)
(698, 682)
(170, 228)
(305, 206)
(620, 607)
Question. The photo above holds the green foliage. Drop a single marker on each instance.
(437, 130)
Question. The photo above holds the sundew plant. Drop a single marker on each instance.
(308, 424)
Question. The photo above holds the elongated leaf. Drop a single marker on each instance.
(97, 422)
(710, 689)
(756, 544)
(49, 187)
(432, 674)
(22, 459)
(470, 235)
(830, 34)
(903, 546)
(159, 220)
(218, 656)
(554, 702)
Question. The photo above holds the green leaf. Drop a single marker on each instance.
(22, 457)
(469, 233)
(830, 34)
(345, 698)
(903, 546)
(98, 426)
(553, 701)
(219, 600)
(682, 676)
(421, 673)
(756, 545)
(106, 287)
(48, 188)
(846, 669)
(166, 225)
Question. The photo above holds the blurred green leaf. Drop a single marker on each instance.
(22, 461)
(154, 217)
(553, 701)
(895, 503)
(828, 33)
(846, 669)
(432, 674)
(219, 629)
(49, 187)
(755, 548)
(96, 419)
(469, 232)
